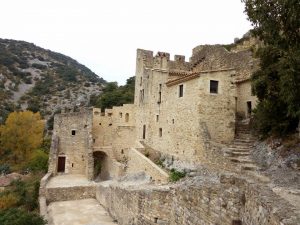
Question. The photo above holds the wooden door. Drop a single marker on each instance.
(61, 164)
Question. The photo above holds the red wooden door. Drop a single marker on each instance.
(61, 164)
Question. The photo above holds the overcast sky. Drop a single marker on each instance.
(104, 35)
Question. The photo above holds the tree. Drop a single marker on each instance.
(22, 133)
(114, 95)
(277, 83)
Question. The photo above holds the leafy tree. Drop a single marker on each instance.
(22, 132)
(114, 95)
(277, 82)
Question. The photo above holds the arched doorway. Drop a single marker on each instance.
(101, 171)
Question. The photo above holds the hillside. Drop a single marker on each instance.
(42, 80)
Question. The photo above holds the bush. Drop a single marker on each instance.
(20, 217)
(39, 66)
(26, 192)
(176, 175)
(38, 161)
(8, 201)
(4, 169)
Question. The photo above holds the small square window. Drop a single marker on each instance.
(180, 90)
(214, 86)
(73, 132)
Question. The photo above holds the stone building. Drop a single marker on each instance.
(178, 105)
(188, 112)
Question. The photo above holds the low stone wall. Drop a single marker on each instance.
(139, 163)
(198, 202)
(264, 207)
(43, 184)
(70, 193)
(42, 195)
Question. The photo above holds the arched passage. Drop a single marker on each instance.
(101, 171)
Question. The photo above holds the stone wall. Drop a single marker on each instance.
(137, 162)
(73, 134)
(203, 202)
(264, 207)
(245, 95)
(69, 193)
(115, 128)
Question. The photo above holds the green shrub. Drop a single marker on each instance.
(176, 175)
(160, 163)
(39, 66)
(27, 192)
(20, 217)
(38, 161)
(4, 169)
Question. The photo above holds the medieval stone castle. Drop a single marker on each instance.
(183, 111)
(177, 104)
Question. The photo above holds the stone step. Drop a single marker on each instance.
(244, 136)
(242, 144)
(245, 140)
(240, 160)
(258, 176)
(242, 148)
(249, 167)
(235, 153)
(249, 147)
(242, 130)
(235, 149)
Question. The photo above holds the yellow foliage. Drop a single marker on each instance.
(22, 132)
(8, 201)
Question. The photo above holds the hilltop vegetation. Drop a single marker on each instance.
(41, 80)
(114, 95)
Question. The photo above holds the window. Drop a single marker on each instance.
(144, 132)
(180, 90)
(73, 132)
(160, 132)
(159, 98)
(141, 81)
(142, 95)
(173, 121)
(120, 114)
(159, 94)
(249, 108)
(157, 118)
(126, 117)
(214, 86)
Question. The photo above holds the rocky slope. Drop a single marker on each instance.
(41, 80)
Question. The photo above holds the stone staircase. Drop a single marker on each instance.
(239, 152)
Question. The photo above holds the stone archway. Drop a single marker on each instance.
(101, 165)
